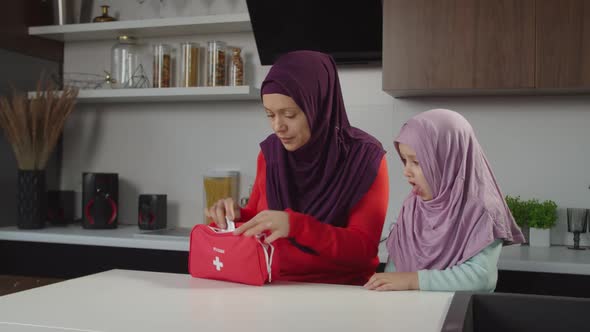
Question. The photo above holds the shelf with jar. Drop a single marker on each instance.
(158, 27)
(174, 73)
(204, 93)
(128, 81)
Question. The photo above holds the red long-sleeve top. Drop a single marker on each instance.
(339, 255)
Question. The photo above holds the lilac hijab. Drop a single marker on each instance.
(328, 175)
(467, 212)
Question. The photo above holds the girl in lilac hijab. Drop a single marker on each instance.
(452, 226)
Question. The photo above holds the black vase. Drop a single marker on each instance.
(32, 199)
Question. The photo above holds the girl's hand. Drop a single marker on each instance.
(222, 208)
(275, 222)
(389, 281)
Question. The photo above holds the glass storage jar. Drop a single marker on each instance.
(189, 65)
(216, 63)
(236, 67)
(124, 62)
(162, 66)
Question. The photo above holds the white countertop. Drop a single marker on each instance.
(129, 236)
(555, 259)
(121, 300)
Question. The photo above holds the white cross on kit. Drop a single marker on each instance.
(218, 264)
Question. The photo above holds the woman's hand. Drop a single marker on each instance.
(222, 208)
(275, 222)
(389, 281)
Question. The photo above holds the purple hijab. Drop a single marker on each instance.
(328, 175)
(467, 212)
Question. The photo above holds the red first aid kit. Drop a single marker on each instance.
(219, 254)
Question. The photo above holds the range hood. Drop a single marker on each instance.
(350, 31)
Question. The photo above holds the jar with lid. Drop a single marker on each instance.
(236, 67)
(162, 65)
(219, 184)
(216, 63)
(189, 65)
(124, 62)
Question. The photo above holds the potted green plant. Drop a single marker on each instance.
(542, 217)
(519, 210)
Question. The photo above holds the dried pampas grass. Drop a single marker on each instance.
(33, 125)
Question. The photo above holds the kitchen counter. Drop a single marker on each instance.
(154, 301)
(555, 259)
(128, 236)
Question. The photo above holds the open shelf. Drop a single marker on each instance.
(159, 27)
(218, 93)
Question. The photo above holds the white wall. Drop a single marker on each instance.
(538, 146)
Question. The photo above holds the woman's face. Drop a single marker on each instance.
(287, 120)
(413, 172)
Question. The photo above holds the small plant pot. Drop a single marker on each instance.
(526, 232)
(539, 237)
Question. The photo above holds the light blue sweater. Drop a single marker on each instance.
(479, 273)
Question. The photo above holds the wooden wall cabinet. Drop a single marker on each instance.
(563, 44)
(478, 47)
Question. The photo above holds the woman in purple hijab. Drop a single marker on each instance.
(452, 226)
(321, 187)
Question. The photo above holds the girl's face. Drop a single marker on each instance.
(287, 120)
(413, 172)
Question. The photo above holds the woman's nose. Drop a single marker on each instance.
(278, 125)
